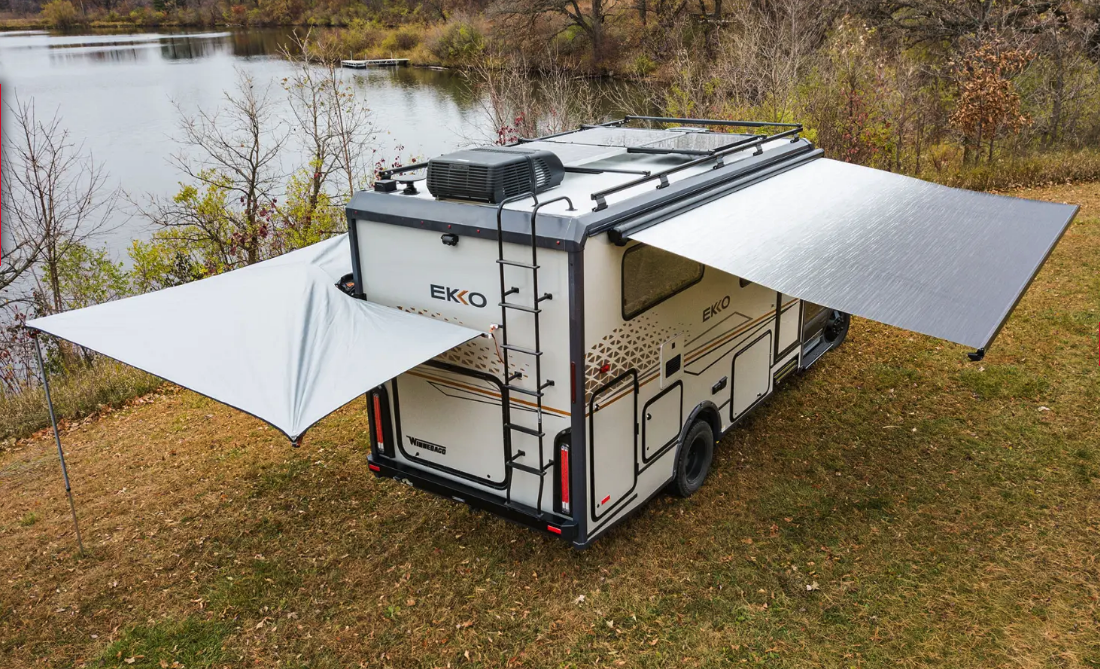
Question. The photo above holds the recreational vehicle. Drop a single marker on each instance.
(558, 330)
(615, 361)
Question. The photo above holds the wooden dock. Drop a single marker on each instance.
(377, 62)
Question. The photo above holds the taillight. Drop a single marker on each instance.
(563, 458)
(379, 439)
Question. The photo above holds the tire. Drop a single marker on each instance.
(836, 328)
(693, 460)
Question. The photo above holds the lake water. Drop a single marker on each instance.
(116, 93)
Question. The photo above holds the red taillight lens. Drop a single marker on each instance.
(563, 456)
(555, 530)
(374, 468)
(379, 440)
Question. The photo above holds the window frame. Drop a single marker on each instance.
(647, 307)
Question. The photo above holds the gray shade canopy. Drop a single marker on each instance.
(277, 339)
(941, 261)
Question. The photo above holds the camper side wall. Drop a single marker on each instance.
(668, 341)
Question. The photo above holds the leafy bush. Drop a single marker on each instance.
(643, 65)
(460, 43)
(61, 14)
(88, 276)
(403, 39)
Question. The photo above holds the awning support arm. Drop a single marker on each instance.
(57, 439)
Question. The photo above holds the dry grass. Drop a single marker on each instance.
(947, 517)
(102, 386)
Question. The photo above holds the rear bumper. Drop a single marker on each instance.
(517, 513)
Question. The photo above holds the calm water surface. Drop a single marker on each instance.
(116, 93)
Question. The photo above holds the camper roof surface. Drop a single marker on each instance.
(610, 170)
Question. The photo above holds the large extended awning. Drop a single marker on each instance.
(277, 339)
(941, 261)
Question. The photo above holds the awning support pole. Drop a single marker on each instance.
(57, 439)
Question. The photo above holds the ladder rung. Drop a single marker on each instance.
(525, 391)
(529, 469)
(509, 305)
(526, 430)
(515, 263)
(520, 349)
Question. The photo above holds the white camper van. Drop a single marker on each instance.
(618, 349)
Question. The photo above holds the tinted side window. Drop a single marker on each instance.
(652, 275)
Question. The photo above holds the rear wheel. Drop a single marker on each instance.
(694, 459)
(836, 328)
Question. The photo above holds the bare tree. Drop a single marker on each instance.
(18, 249)
(517, 103)
(232, 151)
(59, 198)
(590, 17)
(947, 21)
(335, 128)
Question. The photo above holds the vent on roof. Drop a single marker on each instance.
(491, 174)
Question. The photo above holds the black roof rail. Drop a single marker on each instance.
(711, 121)
(756, 140)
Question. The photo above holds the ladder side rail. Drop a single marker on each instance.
(539, 387)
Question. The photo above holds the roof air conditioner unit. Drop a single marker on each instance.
(491, 174)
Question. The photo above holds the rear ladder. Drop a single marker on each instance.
(512, 379)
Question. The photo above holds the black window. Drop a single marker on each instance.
(652, 275)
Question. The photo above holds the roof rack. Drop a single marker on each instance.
(717, 153)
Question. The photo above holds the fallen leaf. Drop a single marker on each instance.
(813, 586)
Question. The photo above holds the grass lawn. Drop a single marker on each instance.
(896, 506)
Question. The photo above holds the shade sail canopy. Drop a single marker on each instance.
(276, 339)
(936, 260)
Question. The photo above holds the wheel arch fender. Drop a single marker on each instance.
(707, 411)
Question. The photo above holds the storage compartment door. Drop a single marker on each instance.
(453, 423)
(662, 419)
(612, 443)
(752, 375)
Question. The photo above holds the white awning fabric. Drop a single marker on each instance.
(941, 261)
(277, 339)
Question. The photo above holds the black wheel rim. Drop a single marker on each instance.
(834, 327)
(696, 459)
